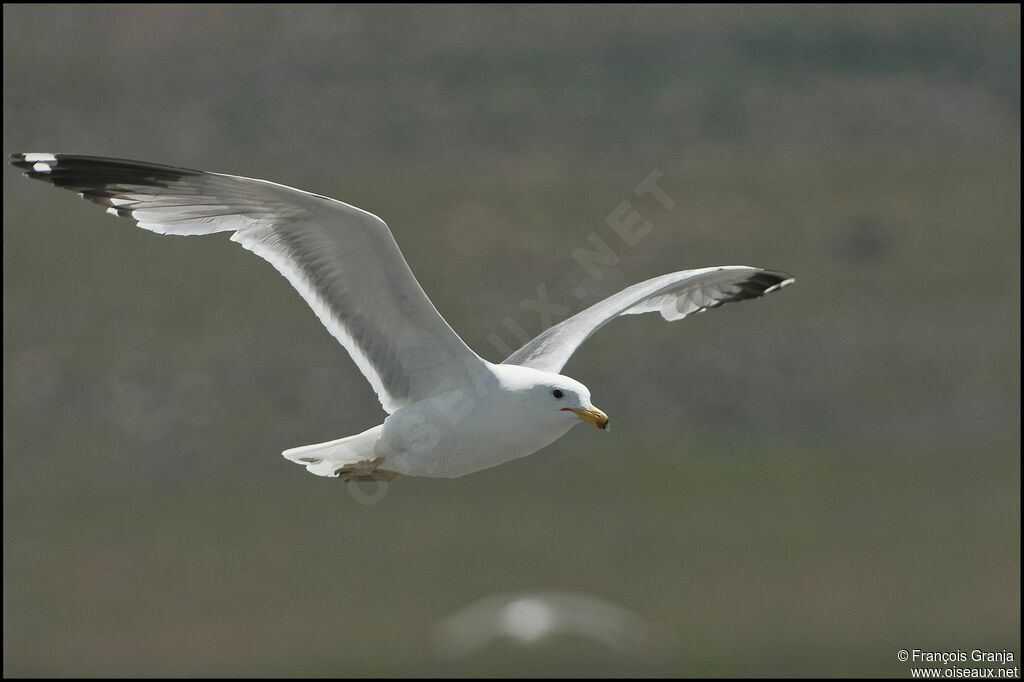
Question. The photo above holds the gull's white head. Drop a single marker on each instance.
(545, 397)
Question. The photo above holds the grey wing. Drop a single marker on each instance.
(675, 296)
(342, 260)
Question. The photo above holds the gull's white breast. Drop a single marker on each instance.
(469, 428)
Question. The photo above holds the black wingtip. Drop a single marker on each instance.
(34, 164)
(759, 284)
(91, 175)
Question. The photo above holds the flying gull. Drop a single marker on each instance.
(450, 411)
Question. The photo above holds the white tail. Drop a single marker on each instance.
(324, 459)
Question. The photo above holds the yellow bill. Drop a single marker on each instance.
(591, 415)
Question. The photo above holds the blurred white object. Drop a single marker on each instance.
(531, 617)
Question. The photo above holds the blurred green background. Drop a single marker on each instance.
(801, 485)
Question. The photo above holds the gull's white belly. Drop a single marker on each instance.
(458, 433)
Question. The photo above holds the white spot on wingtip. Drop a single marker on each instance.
(784, 283)
(32, 158)
(119, 202)
(41, 167)
(112, 211)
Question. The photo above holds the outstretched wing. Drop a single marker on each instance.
(675, 296)
(342, 260)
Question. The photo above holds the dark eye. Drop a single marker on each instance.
(557, 393)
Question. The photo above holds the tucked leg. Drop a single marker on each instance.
(365, 470)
